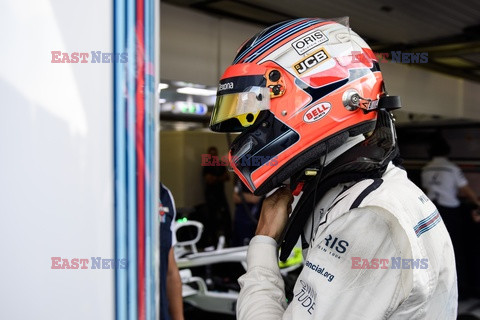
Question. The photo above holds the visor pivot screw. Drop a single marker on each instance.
(264, 124)
(276, 89)
(284, 112)
(274, 75)
(351, 99)
(259, 97)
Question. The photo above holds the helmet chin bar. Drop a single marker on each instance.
(368, 159)
(304, 159)
(266, 139)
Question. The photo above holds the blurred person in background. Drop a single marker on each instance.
(171, 303)
(219, 221)
(443, 181)
(247, 210)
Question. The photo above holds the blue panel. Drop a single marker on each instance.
(150, 197)
(131, 164)
(120, 162)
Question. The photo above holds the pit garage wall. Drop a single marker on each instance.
(60, 171)
(197, 48)
(181, 167)
(432, 93)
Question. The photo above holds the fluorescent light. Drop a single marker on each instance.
(190, 107)
(162, 86)
(197, 91)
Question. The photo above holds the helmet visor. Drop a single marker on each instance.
(239, 101)
(240, 110)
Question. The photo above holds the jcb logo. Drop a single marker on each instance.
(339, 246)
(311, 61)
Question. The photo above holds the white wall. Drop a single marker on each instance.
(432, 93)
(197, 48)
(56, 172)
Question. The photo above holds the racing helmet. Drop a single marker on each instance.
(295, 90)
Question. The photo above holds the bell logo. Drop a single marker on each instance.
(317, 112)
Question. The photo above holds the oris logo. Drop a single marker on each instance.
(340, 246)
(225, 86)
(309, 41)
(317, 112)
(310, 62)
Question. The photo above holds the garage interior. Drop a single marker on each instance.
(440, 96)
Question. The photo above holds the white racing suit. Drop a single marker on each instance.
(379, 250)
